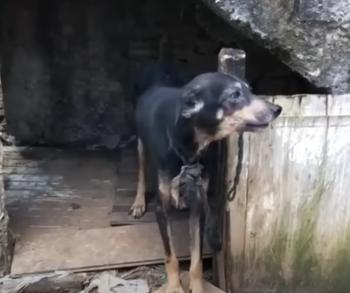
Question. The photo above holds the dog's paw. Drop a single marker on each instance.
(174, 289)
(196, 286)
(137, 210)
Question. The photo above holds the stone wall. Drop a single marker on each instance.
(69, 66)
(62, 70)
(72, 69)
(311, 36)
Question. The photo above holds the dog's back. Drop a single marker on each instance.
(156, 111)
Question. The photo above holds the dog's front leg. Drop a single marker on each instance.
(171, 262)
(139, 206)
(197, 220)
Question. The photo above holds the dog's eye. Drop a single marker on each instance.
(236, 94)
(190, 103)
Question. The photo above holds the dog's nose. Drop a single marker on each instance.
(276, 110)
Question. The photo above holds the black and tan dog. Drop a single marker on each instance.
(175, 127)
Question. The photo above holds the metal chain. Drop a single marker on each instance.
(231, 194)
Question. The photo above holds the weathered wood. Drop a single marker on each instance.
(231, 62)
(298, 208)
(49, 189)
(60, 204)
(57, 282)
(237, 217)
(4, 220)
(82, 250)
(123, 217)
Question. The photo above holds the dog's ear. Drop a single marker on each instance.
(192, 103)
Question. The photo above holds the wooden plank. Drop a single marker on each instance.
(231, 62)
(123, 218)
(5, 252)
(4, 220)
(298, 209)
(62, 209)
(275, 208)
(237, 216)
(82, 249)
(65, 189)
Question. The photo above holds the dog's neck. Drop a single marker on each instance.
(187, 140)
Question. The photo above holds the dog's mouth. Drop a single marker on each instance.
(253, 127)
(257, 125)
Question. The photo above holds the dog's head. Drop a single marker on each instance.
(219, 104)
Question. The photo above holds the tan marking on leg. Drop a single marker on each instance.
(139, 206)
(171, 262)
(205, 187)
(172, 269)
(196, 268)
(175, 193)
(164, 186)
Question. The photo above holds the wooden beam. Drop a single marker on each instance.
(231, 62)
(4, 220)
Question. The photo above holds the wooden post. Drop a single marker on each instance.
(4, 236)
(231, 62)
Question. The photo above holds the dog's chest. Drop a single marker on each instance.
(202, 140)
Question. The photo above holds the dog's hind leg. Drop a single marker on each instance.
(139, 206)
(197, 222)
(171, 262)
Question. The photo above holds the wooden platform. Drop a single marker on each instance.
(62, 204)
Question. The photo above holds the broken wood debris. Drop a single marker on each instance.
(55, 282)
